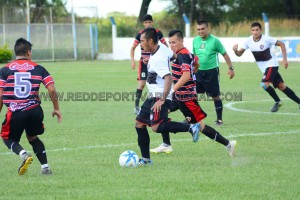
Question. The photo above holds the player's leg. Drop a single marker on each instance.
(12, 129)
(212, 88)
(267, 79)
(142, 77)
(142, 120)
(35, 127)
(166, 147)
(279, 83)
(160, 123)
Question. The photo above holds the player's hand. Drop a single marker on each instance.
(235, 47)
(285, 63)
(231, 74)
(58, 114)
(133, 65)
(157, 106)
(145, 61)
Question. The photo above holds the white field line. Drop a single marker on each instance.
(230, 106)
(174, 140)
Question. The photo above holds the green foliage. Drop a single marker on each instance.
(5, 55)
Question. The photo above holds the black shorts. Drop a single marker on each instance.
(142, 71)
(16, 122)
(146, 115)
(192, 110)
(272, 75)
(207, 81)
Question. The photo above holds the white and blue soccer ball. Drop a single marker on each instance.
(129, 159)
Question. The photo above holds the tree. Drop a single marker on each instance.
(39, 9)
(143, 10)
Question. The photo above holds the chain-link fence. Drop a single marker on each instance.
(51, 40)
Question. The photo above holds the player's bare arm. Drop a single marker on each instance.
(132, 56)
(236, 51)
(53, 95)
(185, 77)
(229, 64)
(283, 50)
(167, 87)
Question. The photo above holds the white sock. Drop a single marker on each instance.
(22, 152)
(45, 166)
(228, 145)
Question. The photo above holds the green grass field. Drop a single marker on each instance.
(83, 150)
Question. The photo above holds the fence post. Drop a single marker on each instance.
(266, 20)
(92, 41)
(52, 35)
(114, 32)
(187, 26)
(74, 34)
(96, 38)
(28, 19)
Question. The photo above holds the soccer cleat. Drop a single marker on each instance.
(231, 147)
(46, 171)
(195, 129)
(136, 110)
(162, 149)
(143, 162)
(25, 164)
(276, 106)
(219, 122)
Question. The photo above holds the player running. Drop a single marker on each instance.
(142, 68)
(260, 46)
(19, 88)
(184, 87)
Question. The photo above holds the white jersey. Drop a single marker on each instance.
(158, 68)
(261, 51)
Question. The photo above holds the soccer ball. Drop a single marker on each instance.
(129, 159)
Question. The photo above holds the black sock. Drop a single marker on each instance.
(291, 94)
(214, 135)
(13, 146)
(219, 108)
(166, 138)
(39, 150)
(273, 94)
(143, 141)
(138, 95)
(174, 127)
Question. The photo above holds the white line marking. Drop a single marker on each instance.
(173, 140)
(230, 106)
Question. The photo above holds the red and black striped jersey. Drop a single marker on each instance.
(137, 40)
(20, 82)
(184, 63)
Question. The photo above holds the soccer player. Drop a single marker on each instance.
(154, 111)
(206, 46)
(142, 68)
(19, 88)
(260, 45)
(184, 88)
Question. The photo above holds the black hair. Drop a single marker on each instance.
(150, 33)
(201, 21)
(22, 46)
(176, 32)
(147, 17)
(256, 24)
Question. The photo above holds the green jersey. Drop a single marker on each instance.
(207, 51)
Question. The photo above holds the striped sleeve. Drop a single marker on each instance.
(46, 78)
(2, 78)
